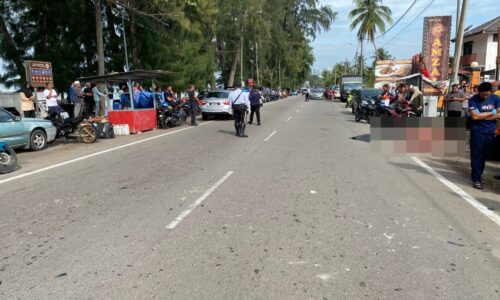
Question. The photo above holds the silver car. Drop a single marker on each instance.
(317, 94)
(216, 103)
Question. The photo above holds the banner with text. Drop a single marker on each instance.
(435, 51)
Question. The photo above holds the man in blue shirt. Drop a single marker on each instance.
(254, 105)
(484, 109)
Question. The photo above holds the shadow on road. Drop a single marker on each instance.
(362, 138)
(230, 132)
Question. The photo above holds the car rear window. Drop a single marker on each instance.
(317, 91)
(217, 95)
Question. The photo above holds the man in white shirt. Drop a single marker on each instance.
(51, 99)
(241, 105)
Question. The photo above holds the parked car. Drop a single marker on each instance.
(303, 91)
(266, 94)
(295, 93)
(27, 133)
(336, 93)
(202, 95)
(216, 104)
(317, 94)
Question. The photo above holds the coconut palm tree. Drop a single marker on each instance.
(370, 17)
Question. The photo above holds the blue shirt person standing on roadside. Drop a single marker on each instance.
(484, 108)
(194, 102)
(255, 105)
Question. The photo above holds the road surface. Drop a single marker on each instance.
(299, 210)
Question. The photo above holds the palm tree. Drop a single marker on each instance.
(382, 54)
(370, 16)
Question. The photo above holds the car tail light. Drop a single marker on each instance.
(226, 102)
(203, 102)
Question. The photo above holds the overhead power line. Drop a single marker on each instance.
(398, 20)
(409, 24)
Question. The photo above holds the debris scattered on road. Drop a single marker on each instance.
(389, 237)
(455, 244)
(314, 192)
(61, 275)
(325, 276)
(362, 284)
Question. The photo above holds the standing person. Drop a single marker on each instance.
(194, 102)
(386, 95)
(468, 94)
(88, 99)
(71, 94)
(51, 99)
(417, 101)
(484, 108)
(27, 100)
(308, 90)
(495, 89)
(254, 105)
(454, 101)
(241, 105)
(79, 97)
(98, 95)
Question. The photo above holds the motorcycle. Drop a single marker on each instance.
(365, 110)
(171, 116)
(393, 110)
(73, 128)
(8, 159)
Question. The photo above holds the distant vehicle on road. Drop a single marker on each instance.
(216, 104)
(27, 133)
(336, 93)
(295, 93)
(349, 83)
(317, 94)
(303, 91)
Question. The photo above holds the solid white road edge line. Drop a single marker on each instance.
(198, 201)
(471, 200)
(289, 119)
(93, 155)
(270, 136)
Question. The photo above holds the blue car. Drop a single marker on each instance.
(26, 133)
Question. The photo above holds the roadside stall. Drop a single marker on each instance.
(136, 114)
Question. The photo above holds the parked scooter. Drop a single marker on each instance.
(365, 110)
(73, 128)
(8, 159)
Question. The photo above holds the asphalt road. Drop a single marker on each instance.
(299, 210)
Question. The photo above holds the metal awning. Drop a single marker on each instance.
(135, 75)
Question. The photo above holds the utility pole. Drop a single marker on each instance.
(498, 56)
(241, 59)
(459, 41)
(99, 38)
(361, 60)
(125, 40)
(279, 72)
(257, 61)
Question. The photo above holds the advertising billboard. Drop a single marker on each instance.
(435, 51)
(391, 71)
(38, 73)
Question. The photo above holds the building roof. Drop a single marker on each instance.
(488, 27)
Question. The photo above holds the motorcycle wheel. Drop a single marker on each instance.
(357, 118)
(88, 134)
(8, 160)
(162, 123)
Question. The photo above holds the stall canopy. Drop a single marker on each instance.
(138, 118)
(135, 75)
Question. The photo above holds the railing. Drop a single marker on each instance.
(466, 60)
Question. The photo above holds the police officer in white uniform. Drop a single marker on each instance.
(241, 106)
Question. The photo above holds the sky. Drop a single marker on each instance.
(339, 43)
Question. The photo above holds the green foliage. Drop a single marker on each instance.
(369, 17)
(194, 38)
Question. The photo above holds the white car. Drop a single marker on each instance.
(216, 103)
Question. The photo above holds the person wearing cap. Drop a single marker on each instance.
(240, 104)
(484, 110)
(79, 98)
(495, 89)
